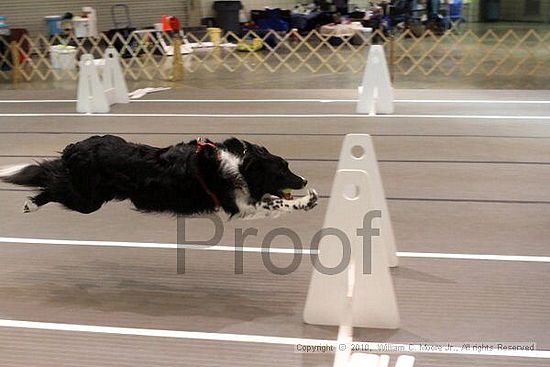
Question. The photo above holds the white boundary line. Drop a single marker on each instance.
(435, 255)
(39, 241)
(429, 255)
(344, 115)
(450, 101)
(246, 338)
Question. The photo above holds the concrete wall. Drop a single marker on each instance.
(471, 11)
(513, 10)
(30, 14)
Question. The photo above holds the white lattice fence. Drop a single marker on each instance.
(145, 55)
(490, 54)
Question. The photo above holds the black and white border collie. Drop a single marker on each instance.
(238, 177)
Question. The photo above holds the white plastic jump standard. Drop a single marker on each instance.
(95, 95)
(351, 297)
(90, 95)
(376, 93)
(358, 153)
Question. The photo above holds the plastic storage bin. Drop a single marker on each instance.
(4, 49)
(4, 28)
(63, 57)
(54, 24)
(80, 27)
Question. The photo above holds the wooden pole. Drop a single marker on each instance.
(16, 67)
(177, 62)
(392, 58)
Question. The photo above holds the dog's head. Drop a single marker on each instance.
(264, 173)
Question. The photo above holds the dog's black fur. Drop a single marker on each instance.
(104, 168)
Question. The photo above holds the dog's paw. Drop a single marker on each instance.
(29, 207)
(312, 199)
(268, 199)
(246, 212)
(309, 201)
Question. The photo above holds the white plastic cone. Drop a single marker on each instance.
(90, 95)
(351, 296)
(358, 153)
(113, 78)
(376, 93)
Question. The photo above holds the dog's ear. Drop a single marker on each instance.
(252, 171)
(251, 163)
(235, 146)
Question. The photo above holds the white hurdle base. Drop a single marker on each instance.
(351, 297)
(376, 93)
(95, 95)
(360, 293)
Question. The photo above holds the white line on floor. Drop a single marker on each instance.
(39, 241)
(248, 338)
(476, 101)
(429, 255)
(199, 115)
(436, 255)
(450, 101)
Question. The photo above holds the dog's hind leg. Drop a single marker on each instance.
(30, 207)
(81, 204)
(73, 202)
(34, 203)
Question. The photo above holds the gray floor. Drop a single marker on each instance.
(473, 180)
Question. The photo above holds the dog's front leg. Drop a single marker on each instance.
(272, 207)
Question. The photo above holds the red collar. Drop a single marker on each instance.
(201, 143)
(200, 146)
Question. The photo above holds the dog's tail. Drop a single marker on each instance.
(23, 174)
(34, 175)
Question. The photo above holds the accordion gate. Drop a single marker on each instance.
(491, 54)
